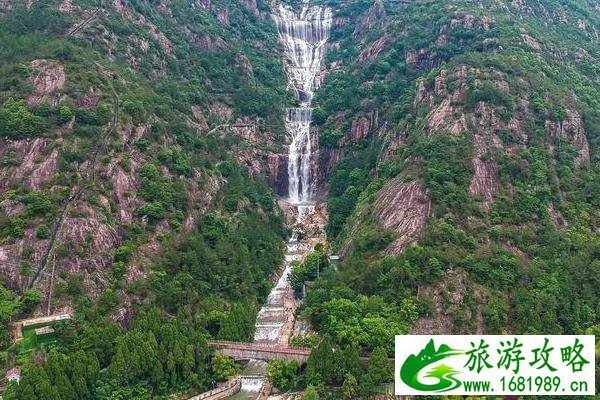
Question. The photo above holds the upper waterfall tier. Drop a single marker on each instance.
(303, 36)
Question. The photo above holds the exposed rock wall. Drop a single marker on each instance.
(446, 299)
(404, 208)
(371, 19)
(484, 183)
(278, 173)
(46, 78)
(572, 131)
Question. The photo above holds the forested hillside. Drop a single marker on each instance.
(463, 143)
(142, 145)
(132, 139)
(459, 142)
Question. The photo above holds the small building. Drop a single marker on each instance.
(334, 261)
(44, 330)
(13, 374)
(17, 327)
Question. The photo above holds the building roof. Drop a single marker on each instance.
(44, 330)
(13, 374)
(44, 320)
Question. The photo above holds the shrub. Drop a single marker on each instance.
(123, 253)
(30, 300)
(223, 367)
(38, 203)
(43, 232)
(108, 301)
(17, 121)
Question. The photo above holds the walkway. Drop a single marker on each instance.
(222, 392)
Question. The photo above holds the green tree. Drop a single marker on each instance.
(349, 387)
(187, 363)
(157, 373)
(310, 393)
(17, 121)
(282, 374)
(380, 369)
(223, 367)
(64, 114)
(30, 300)
(43, 232)
(351, 360)
(64, 330)
(8, 307)
(320, 364)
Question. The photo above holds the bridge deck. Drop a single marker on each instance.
(260, 347)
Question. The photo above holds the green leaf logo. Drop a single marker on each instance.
(409, 372)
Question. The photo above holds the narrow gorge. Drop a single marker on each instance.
(303, 36)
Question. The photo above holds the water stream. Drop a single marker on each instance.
(303, 35)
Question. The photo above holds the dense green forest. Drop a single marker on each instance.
(205, 286)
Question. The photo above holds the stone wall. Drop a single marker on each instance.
(222, 392)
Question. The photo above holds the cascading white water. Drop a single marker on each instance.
(303, 36)
(297, 125)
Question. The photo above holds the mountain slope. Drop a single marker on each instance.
(134, 137)
(460, 143)
(458, 154)
(115, 120)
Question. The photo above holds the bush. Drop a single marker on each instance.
(108, 301)
(30, 300)
(43, 232)
(154, 211)
(308, 341)
(223, 367)
(283, 375)
(17, 121)
(118, 270)
(310, 393)
(487, 92)
(38, 203)
(15, 227)
(97, 116)
(330, 139)
(123, 253)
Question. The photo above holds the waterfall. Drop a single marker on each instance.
(252, 385)
(303, 35)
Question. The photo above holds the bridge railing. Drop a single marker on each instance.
(259, 347)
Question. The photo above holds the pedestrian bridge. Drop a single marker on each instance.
(253, 351)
